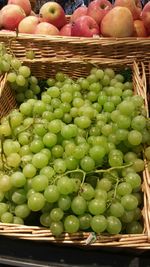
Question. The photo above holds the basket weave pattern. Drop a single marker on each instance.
(76, 68)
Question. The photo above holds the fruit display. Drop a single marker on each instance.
(124, 18)
(71, 157)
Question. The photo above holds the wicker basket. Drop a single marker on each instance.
(75, 47)
(7, 98)
(77, 68)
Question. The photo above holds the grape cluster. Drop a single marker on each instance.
(19, 76)
(74, 156)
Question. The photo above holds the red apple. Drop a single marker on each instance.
(66, 30)
(46, 29)
(80, 11)
(28, 24)
(135, 6)
(118, 22)
(53, 13)
(84, 26)
(139, 29)
(97, 9)
(11, 15)
(24, 4)
(145, 16)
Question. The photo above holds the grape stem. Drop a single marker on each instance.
(2, 152)
(113, 168)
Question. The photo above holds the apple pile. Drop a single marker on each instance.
(124, 18)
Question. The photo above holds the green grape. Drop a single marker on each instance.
(11, 77)
(134, 137)
(121, 134)
(98, 223)
(87, 191)
(19, 196)
(16, 119)
(134, 228)
(25, 71)
(40, 130)
(109, 106)
(133, 179)
(24, 138)
(99, 74)
(59, 165)
(47, 171)
(97, 152)
(71, 163)
(51, 193)
(82, 122)
(20, 80)
(138, 165)
(60, 76)
(5, 129)
(137, 100)
(39, 160)
(110, 72)
(64, 202)
(129, 202)
(15, 63)
(50, 82)
(100, 194)
(22, 211)
(130, 157)
(113, 225)
(36, 201)
(104, 184)
(78, 205)
(87, 164)
(39, 107)
(29, 170)
(3, 208)
(30, 54)
(47, 153)
(70, 148)
(116, 209)
(57, 228)
(102, 99)
(18, 179)
(138, 123)
(5, 183)
(114, 115)
(45, 219)
(13, 160)
(50, 139)
(39, 182)
(36, 146)
(97, 206)
(123, 122)
(18, 220)
(84, 221)
(124, 188)
(69, 131)
(115, 161)
(7, 217)
(71, 224)
(56, 214)
(65, 185)
(126, 107)
(147, 152)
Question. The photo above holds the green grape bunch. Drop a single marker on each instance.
(73, 155)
